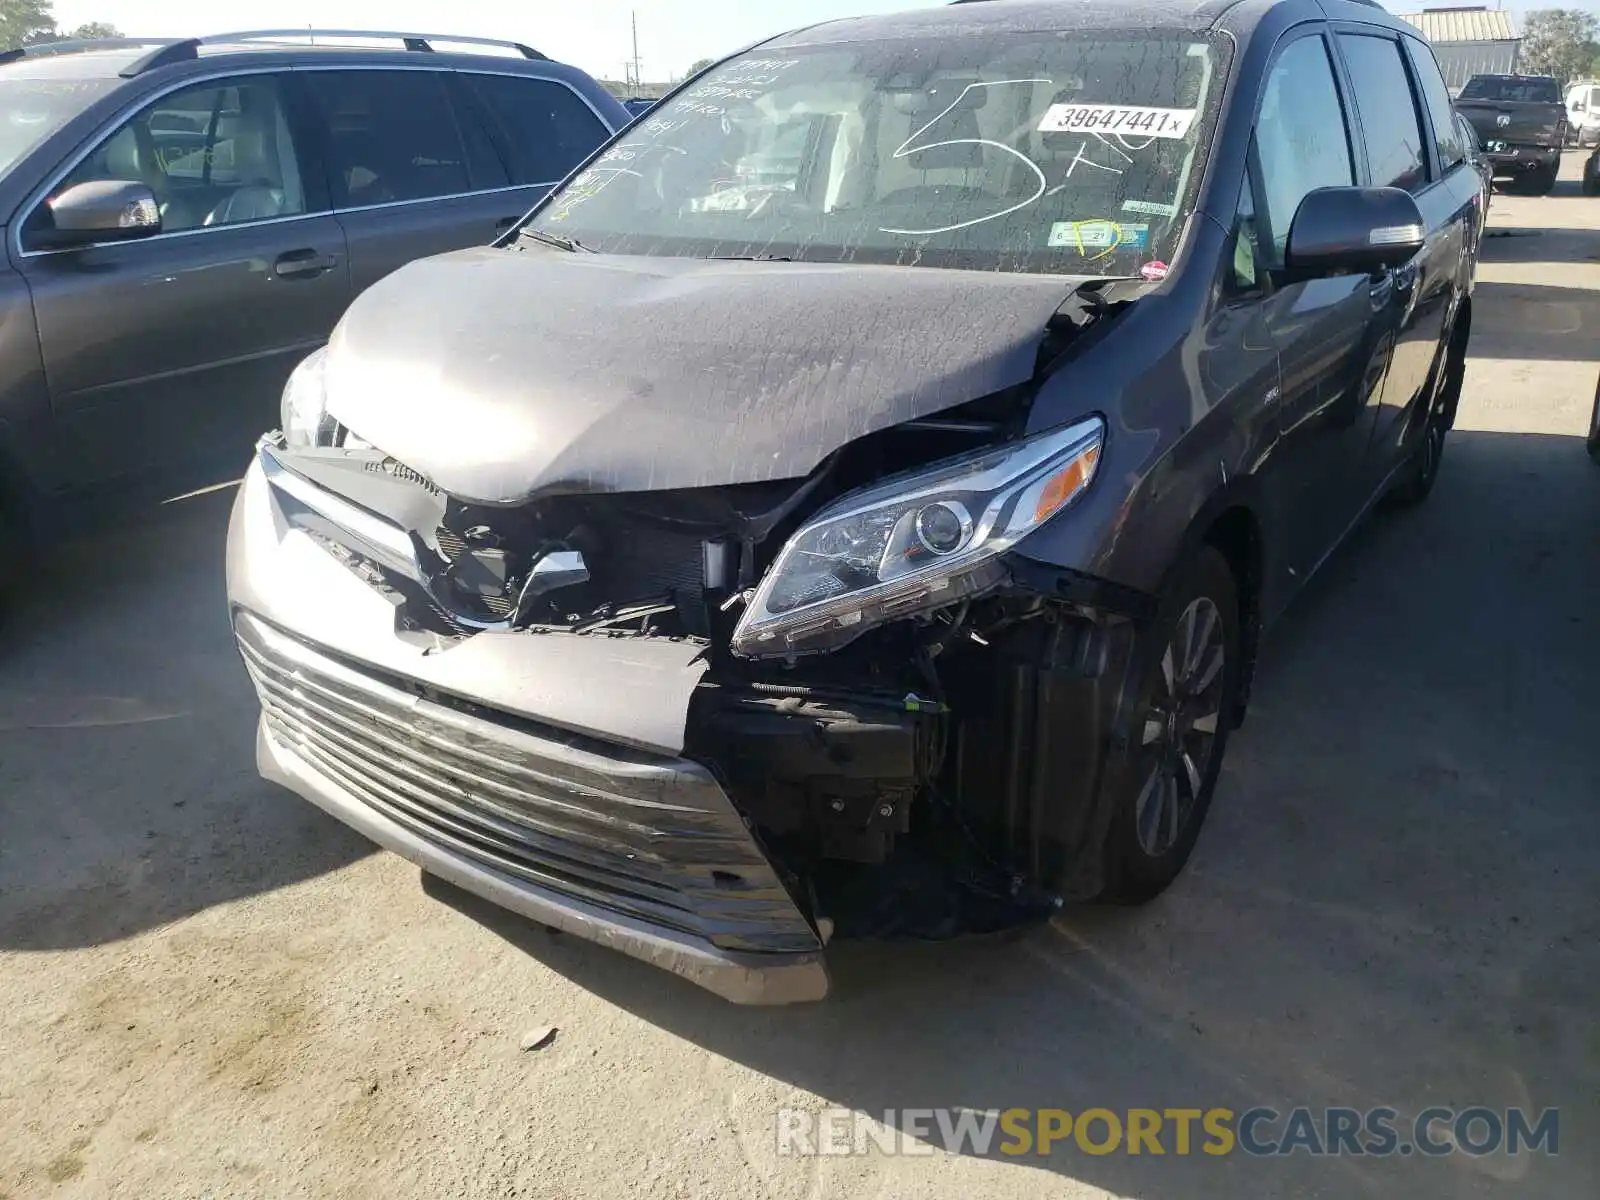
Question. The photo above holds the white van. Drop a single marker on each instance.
(1583, 113)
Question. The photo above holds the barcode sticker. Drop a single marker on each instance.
(1127, 120)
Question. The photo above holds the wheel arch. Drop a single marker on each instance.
(1236, 534)
(1231, 523)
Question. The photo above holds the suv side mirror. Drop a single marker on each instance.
(102, 210)
(1352, 231)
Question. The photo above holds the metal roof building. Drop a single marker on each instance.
(1469, 41)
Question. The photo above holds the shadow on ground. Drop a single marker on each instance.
(1537, 322)
(1392, 905)
(128, 792)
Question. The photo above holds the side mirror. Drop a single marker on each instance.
(1353, 231)
(103, 210)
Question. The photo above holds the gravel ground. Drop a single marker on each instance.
(209, 989)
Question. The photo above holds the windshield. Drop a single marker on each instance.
(1053, 153)
(1507, 87)
(31, 109)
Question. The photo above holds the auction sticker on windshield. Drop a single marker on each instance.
(1098, 235)
(1129, 119)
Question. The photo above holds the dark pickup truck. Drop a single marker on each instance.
(1522, 124)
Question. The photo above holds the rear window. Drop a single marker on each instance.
(31, 109)
(1511, 87)
(548, 128)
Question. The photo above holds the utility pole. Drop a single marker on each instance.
(637, 74)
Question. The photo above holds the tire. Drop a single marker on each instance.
(1591, 176)
(1423, 471)
(1173, 766)
(12, 545)
(1594, 427)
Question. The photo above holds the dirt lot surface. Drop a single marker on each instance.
(209, 989)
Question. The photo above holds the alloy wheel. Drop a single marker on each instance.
(1432, 448)
(1180, 726)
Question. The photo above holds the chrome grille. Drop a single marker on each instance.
(649, 836)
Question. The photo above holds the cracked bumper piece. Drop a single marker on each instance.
(616, 839)
(637, 852)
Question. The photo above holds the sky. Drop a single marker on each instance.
(592, 34)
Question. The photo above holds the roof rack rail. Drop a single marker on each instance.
(79, 45)
(418, 42)
(178, 50)
(166, 51)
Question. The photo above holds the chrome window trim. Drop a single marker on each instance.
(129, 111)
(360, 208)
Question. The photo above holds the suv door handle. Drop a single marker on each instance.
(301, 264)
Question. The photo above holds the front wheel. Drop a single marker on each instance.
(12, 543)
(1189, 686)
(1422, 472)
(1594, 426)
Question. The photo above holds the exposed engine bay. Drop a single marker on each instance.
(900, 761)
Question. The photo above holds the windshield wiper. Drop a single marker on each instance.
(749, 258)
(570, 245)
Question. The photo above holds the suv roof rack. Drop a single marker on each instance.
(79, 45)
(417, 42)
(171, 50)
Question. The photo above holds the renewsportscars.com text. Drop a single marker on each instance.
(1258, 1132)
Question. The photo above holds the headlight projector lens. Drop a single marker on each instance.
(943, 528)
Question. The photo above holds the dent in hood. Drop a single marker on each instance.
(501, 374)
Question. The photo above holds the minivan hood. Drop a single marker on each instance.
(504, 373)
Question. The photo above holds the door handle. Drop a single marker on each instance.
(301, 264)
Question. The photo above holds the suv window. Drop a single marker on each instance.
(389, 136)
(1246, 276)
(219, 153)
(1442, 114)
(546, 127)
(1391, 129)
(1301, 139)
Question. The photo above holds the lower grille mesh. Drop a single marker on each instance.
(652, 838)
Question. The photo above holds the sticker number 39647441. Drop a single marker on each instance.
(1130, 120)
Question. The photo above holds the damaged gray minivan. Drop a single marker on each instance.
(850, 505)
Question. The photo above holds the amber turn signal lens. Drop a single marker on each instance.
(1067, 483)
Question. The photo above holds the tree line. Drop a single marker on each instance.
(31, 22)
(1564, 42)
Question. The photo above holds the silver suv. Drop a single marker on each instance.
(185, 220)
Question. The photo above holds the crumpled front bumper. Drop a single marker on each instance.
(541, 772)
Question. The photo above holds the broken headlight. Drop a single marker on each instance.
(305, 416)
(917, 542)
